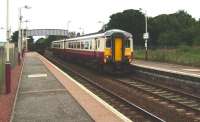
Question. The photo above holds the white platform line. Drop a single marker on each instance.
(43, 91)
(37, 75)
(192, 70)
(167, 70)
(106, 105)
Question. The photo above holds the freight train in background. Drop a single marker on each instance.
(111, 50)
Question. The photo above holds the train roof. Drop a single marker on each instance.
(105, 34)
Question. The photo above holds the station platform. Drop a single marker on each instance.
(167, 67)
(45, 93)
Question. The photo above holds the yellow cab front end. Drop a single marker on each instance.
(118, 50)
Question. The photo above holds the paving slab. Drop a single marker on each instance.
(41, 97)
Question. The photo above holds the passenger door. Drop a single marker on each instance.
(118, 49)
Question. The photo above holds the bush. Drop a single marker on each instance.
(186, 55)
(184, 48)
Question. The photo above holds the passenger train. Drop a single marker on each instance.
(113, 49)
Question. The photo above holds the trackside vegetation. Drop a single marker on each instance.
(173, 38)
(184, 55)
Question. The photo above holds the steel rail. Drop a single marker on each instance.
(147, 114)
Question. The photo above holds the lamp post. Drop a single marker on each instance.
(104, 25)
(26, 38)
(7, 64)
(68, 22)
(82, 29)
(20, 33)
(145, 35)
(67, 34)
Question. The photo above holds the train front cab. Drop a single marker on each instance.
(118, 51)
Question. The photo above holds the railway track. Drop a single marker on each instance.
(187, 101)
(179, 106)
(128, 108)
(180, 82)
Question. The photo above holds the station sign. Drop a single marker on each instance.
(146, 35)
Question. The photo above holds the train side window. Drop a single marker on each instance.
(74, 44)
(78, 45)
(127, 43)
(86, 45)
(82, 45)
(98, 45)
(54, 45)
(61, 45)
(108, 43)
(66, 44)
(90, 44)
(58, 45)
(70, 45)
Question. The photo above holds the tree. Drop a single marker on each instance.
(173, 29)
(131, 21)
(165, 30)
(14, 38)
(30, 43)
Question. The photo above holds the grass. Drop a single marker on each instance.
(184, 55)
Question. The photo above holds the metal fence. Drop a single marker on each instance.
(13, 60)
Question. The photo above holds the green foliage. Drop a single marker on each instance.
(196, 41)
(30, 43)
(183, 48)
(166, 30)
(183, 54)
(129, 20)
(44, 43)
(14, 37)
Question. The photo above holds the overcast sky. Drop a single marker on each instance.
(55, 14)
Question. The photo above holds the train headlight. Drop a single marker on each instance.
(105, 60)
